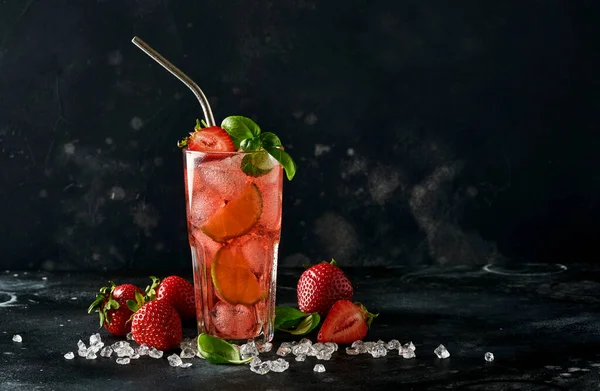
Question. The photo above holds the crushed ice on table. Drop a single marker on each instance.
(134, 356)
(90, 355)
(106, 351)
(319, 368)
(324, 354)
(351, 351)
(142, 350)
(191, 343)
(393, 345)
(259, 367)
(407, 350)
(17, 338)
(301, 357)
(441, 352)
(123, 360)
(69, 356)
(264, 347)
(332, 346)
(122, 349)
(359, 346)
(301, 349)
(186, 365)
(489, 357)
(248, 350)
(174, 360)
(81, 345)
(279, 365)
(378, 351)
(283, 350)
(187, 353)
(95, 339)
(155, 353)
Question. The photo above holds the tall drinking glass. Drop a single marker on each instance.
(234, 226)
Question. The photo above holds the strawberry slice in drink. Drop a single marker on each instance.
(210, 139)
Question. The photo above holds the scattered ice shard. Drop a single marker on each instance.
(257, 366)
(91, 355)
(264, 348)
(123, 360)
(283, 351)
(301, 357)
(378, 351)
(125, 351)
(106, 351)
(69, 356)
(17, 338)
(332, 346)
(248, 350)
(393, 344)
(489, 357)
(319, 368)
(305, 341)
(81, 345)
(324, 354)
(279, 365)
(187, 353)
(155, 353)
(359, 346)
(441, 352)
(95, 339)
(301, 349)
(188, 343)
(174, 360)
(143, 350)
(351, 351)
(407, 350)
(185, 365)
(129, 336)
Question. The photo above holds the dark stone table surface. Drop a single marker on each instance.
(541, 323)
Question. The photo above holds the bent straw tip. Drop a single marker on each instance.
(135, 39)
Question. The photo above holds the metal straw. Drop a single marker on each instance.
(208, 115)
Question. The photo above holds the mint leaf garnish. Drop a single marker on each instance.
(218, 351)
(246, 134)
(240, 128)
(284, 159)
(296, 322)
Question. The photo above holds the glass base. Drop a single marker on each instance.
(526, 269)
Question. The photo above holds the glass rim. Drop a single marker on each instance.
(216, 153)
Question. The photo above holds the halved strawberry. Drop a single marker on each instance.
(209, 139)
(346, 322)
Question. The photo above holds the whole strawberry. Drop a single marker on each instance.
(322, 285)
(180, 294)
(111, 305)
(157, 324)
(345, 323)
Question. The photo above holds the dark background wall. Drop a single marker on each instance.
(426, 132)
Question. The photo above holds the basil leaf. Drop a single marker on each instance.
(295, 322)
(251, 144)
(288, 314)
(240, 128)
(284, 159)
(218, 351)
(257, 164)
(270, 139)
(307, 325)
